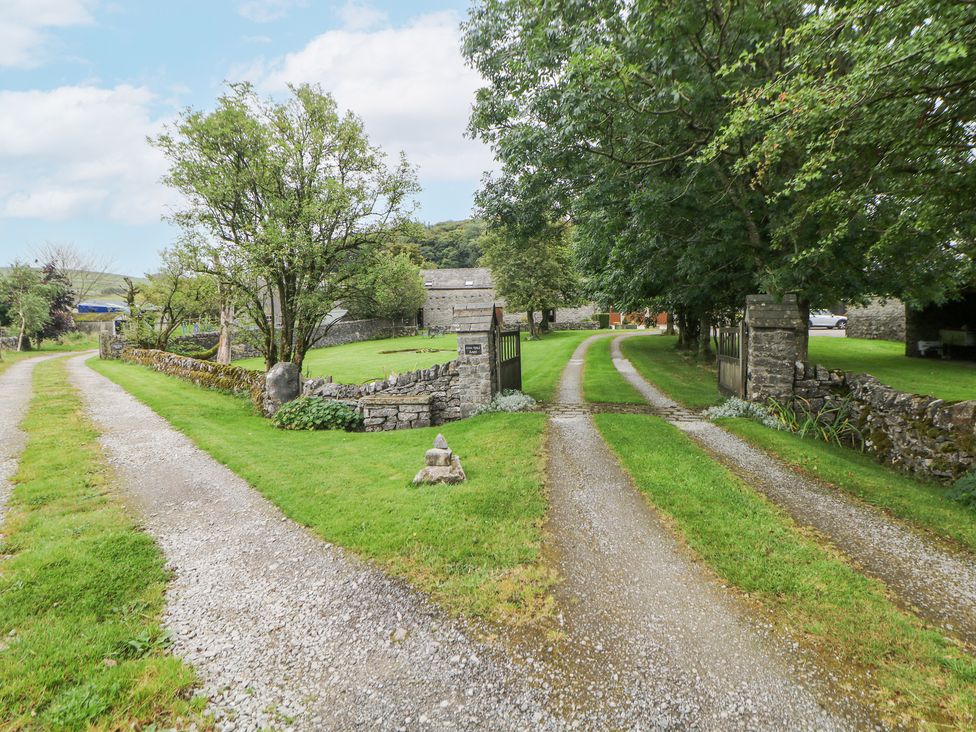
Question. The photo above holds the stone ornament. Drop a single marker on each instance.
(442, 465)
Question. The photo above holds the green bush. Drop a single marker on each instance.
(316, 413)
(964, 490)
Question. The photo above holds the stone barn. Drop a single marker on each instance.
(450, 288)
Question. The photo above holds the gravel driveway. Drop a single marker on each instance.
(926, 578)
(667, 646)
(15, 396)
(286, 630)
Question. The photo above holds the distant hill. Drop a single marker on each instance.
(110, 287)
(450, 244)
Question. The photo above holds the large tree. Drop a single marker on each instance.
(86, 272)
(285, 204)
(28, 301)
(390, 287)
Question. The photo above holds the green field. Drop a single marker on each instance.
(357, 363)
(886, 361)
(474, 547)
(914, 676)
(81, 588)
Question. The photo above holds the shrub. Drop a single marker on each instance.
(834, 424)
(316, 413)
(735, 407)
(964, 490)
(509, 400)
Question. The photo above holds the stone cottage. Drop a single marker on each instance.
(450, 288)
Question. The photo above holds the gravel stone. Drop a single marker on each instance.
(287, 631)
(925, 577)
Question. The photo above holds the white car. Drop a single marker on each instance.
(826, 319)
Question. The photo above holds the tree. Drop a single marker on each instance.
(86, 272)
(867, 132)
(285, 204)
(390, 287)
(59, 307)
(28, 300)
(448, 244)
(176, 295)
(532, 269)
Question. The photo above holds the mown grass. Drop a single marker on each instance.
(356, 363)
(601, 380)
(81, 592)
(474, 547)
(687, 381)
(886, 361)
(922, 504)
(916, 676)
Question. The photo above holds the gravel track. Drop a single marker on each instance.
(15, 395)
(285, 630)
(926, 578)
(669, 646)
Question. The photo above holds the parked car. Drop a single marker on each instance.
(826, 319)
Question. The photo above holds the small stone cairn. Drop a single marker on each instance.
(442, 465)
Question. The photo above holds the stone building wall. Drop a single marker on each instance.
(919, 434)
(877, 320)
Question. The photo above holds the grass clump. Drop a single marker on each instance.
(315, 413)
(691, 383)
(474, 547)
(915, 676)
(964, 490)
(602, 382)
(923, 504)
(81, 594)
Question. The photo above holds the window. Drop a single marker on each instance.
(469, 283)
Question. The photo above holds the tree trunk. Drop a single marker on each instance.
(533, 328)
(226, 323)
(670, 327)
(20, 335)
(704, 339)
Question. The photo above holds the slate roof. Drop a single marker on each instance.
(457, 279)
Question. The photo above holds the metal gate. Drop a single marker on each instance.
(510, 360)
(732, 367)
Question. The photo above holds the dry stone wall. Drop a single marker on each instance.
(384, 412)
(920, 434)
(203, 373)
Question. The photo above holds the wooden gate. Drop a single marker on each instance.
(732, 368)
(510, 360)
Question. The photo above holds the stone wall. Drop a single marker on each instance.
(110, 346)
(441, 382)
(203, 373)
(775, 328)
(384, 412)
(877, 320)
(919, 434)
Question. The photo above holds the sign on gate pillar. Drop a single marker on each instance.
(476, 327)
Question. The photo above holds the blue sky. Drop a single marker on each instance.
(83, 82)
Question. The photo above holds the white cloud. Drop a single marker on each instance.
(265, 11)
(23, 26)
(409, 84)
(80, 151)
(360, 16)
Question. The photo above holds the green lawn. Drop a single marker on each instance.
(914, 675)
(71, 342)
(356, 363)
(886, 361)
(473, 547)
(601, 380)
(920, 503)
(81, 594)
(679, 376)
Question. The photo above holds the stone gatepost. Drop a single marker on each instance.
(775, 332)
(477, 360)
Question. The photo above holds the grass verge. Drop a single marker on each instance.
(922, 504)
(474, 547)
(886, 361)
(601, 380)
(678, 375)
(915, 676)
(81, 592)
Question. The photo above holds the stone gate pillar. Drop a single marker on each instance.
(477, 359)
(775, 331)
